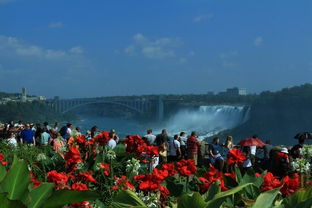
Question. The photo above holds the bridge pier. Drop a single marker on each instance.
(160, 108)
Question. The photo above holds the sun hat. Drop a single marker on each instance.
(284, 150)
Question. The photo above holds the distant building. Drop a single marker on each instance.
(236, 91)
(24, 95)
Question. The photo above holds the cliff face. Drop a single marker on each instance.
(278, 116)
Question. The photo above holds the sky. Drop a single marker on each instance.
(80, 48)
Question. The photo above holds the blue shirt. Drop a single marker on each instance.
(28, 136)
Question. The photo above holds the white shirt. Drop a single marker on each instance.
(183, 140)
(150, 138)
(174, 145)
(12, 141)
(253, 150)
(247, 163)
(112, 143)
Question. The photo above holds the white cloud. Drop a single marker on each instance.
(258, 41)
(55, 25)
(228, 59)
(203, 17)
(154, 49)
(76, 50)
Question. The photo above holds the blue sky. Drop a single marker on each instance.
(80, 48)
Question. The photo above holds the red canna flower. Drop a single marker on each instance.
(34, 181)
(231, 175)
(72, 157)
(1, 160)
(87, 177)
(213, 175)
(106, 168)
(204, 186)
(235, 156)
(186, 167)
(122, 183)
(291, 185)
(79, 187)
(270, 182)
(81, 139)
(170, 168)
(59, 179)
(102, 138)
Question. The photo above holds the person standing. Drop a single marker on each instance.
(150, 137)
(112, 143)
(12, 140)
(216, 157)
(193, 147)
(27, 136)
(174, 149)
(183, 140)
(45, 137)
(162, 142)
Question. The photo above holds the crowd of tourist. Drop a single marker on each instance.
(170, 148)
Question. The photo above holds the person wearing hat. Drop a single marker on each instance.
(282, 167)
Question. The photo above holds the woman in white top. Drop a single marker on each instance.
(11, 140)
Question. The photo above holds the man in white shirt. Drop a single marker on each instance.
(150, 138)
(174, 149)
(112, 143)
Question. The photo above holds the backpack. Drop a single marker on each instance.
(63, 131)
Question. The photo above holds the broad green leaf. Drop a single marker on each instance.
(63, 197)
(194, 200)
(175, 188)
(6, 203)
(2, 172)
(238, 174)
(302, 196)
(126, 199)
(16, 181)
(266, 199)
(220, 197)
(39, 195)
(212, 191)
(120, 150)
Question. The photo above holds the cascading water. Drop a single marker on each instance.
(208, 120)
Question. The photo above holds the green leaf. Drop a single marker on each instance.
(219, 198)
(2, 172)
(213, 190)
(238, 174)
(39, 195)
(302, 196)
(266, 199)
(175, 188)
(16, 181)
(63, 197)
(6, 203)
(194, 200)
(127, 198)
(120, 150)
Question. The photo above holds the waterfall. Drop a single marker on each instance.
(208, 120)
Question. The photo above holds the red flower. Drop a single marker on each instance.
(170, 168)
(79, 187)
(235, 156)
(291, 185)
(84, 204)
(81, 139)
(231, 175)
(205, 184)
(106, 168)
(213, 175)
(152, 182)
(102, 138)
(151, 150)
(87, 177)
(1, 160)
(34, 181)
(123, 183)
(59, 179)
(186, 167)
(135, 145)
(270, 182)
(72, 157)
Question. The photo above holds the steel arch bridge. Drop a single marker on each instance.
(66, 105)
